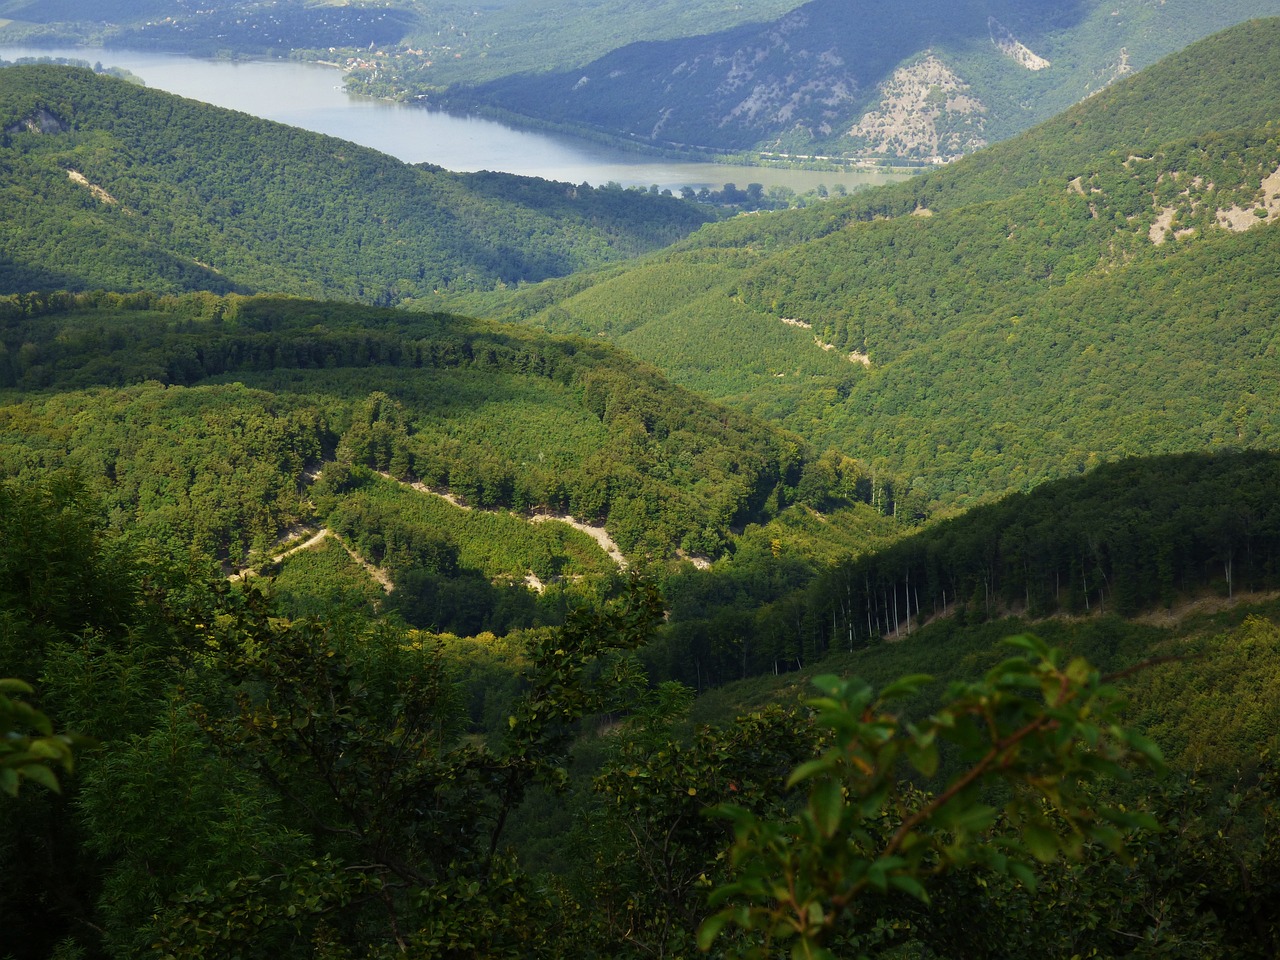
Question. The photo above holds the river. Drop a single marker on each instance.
(311, 96)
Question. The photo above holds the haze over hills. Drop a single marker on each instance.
(440, 42)
(922, 80)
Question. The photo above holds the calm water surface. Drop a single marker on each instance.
(311, 96)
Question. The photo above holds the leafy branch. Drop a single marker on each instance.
(1043, 729)
(29, 749)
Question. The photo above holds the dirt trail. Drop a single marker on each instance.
(381, 576)
(598, 534)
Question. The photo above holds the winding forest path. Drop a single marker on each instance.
(291, 543)
(380, 575)
(598, 534)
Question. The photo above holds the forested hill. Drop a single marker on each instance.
(914, 79)
(203, 414)
(108, 185)
(1124, 297)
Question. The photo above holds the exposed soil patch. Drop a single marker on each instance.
(1198, 606)
(98, 193)
(1239, 219)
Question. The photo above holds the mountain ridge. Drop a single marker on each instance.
(817, 79)
(214, 199)
(1093, 286)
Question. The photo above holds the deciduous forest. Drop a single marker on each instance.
(898, 577)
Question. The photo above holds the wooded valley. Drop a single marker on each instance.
(397, 563)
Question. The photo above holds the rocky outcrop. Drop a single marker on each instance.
(925, 113)
(1013, 48)
(42, 121)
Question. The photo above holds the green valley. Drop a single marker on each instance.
(897, 577)
(897, 326)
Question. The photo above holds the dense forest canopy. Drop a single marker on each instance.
(348, 784)
(501, 416)
(1125, 296)
(334, 630)
(119, 187)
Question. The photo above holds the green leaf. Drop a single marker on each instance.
(1147, 748)
(905, 686)
(909, 885)
(924, 757)
(1041, 841)
(810, 769)
(1028, 642)
(829, 684)
(43, 776)
(1024, 875)
(1078, 671)
(711, 928)
(965, 817)
(826, 806)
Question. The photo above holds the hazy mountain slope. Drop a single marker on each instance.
(1055, 309)
(242, 26)
(923, 79)
(1225, 82)
(389, 45)
(466, 43)
(110, 185)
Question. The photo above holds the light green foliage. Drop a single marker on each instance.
(380, 518)
(1035, 277)
(335, 788)
(321, 581)
(210, 467)
(1230, 693)
(252, 391)
(354, 738)
(29, 749)
(1044, 726)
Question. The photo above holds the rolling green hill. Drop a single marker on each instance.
(1099, 287)
(108, 185)
(288, 755)
(204, 413)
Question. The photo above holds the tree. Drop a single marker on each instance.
(356, 736)
(821, 877)
(653, 852)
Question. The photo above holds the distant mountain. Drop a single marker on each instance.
(241, 26)
(106, 184)
(1100, 287)
(390, 44)
(907, 79)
